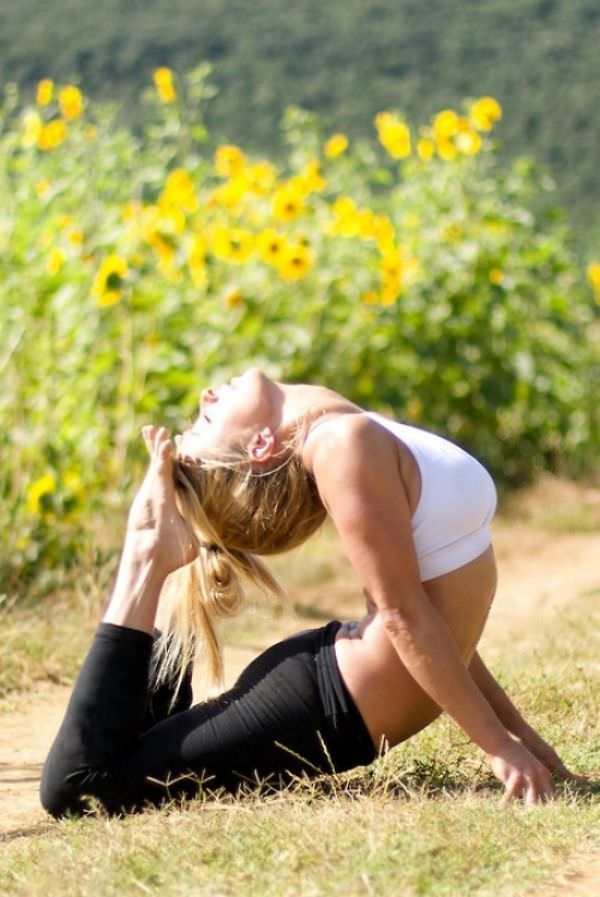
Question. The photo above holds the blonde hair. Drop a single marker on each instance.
(235, 514)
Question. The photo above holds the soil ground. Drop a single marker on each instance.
(540, 570)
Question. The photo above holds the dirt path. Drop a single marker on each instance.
(581, 880)
(539, 572)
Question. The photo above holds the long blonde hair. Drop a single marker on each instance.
(235, 514)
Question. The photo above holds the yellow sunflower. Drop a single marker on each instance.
(295, 263)
(229, 161)
(485, 112)
(45, 92)
(180, 191)
(233, 244)
(336, 145)
(44, 485)
(70, 101)
(52, 135)
(394, 135)
(288, 203)
(108, 281)
(445, 125)
(163, 81)
(270, 246)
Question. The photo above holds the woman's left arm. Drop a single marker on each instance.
(355, 467)
(508, 714)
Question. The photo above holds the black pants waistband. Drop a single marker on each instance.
(353, 738)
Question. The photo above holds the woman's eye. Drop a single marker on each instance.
(206, 418)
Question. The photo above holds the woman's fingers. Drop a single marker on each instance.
(162, 446)
(157, 442)
(531, 789)
(562, 772)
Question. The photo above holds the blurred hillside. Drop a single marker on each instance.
(345, 59)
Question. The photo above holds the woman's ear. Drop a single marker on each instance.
(261, 447)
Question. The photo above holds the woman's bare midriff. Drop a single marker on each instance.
(391, 703)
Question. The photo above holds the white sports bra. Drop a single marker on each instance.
(451, 523)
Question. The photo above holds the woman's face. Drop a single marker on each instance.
(231, 414)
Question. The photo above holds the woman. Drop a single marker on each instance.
(258, 471)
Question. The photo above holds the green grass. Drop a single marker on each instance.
(305, 845)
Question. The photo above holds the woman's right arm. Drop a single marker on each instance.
(357, 476)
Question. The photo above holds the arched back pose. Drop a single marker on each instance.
(258, 471)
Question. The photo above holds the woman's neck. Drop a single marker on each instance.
(310, 403)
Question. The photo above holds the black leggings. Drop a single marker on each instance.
(289, 713)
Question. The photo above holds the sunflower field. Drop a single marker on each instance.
(412, 273)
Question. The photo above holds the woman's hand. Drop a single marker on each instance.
(548, 756)
(522, 774)
(154, 526)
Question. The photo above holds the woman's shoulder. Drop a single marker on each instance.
(336, 425)
(335, 437)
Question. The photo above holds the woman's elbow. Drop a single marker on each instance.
(400, 620)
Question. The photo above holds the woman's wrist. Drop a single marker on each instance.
(142, 548)
(139, 582)
(499, 743)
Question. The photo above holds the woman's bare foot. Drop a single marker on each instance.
(154, 524)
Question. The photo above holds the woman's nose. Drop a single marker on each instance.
(208, 395)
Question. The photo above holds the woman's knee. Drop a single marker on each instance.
(59, 797)
(63, 786)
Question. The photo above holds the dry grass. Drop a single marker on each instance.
(556, 505)
(424, 820)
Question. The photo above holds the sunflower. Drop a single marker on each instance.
(179, 191)
(394, 135)
(108, 281)
(70, 101)
(425, 149)
(295, 263)
(44, 485)
(484, 113)
(45, 92)
(270, 246)
(445, 125)
(163, 81)
(335, 146)
(52, 135)
(197, 260)
(234, 244)
(229, 161)
(288, 203)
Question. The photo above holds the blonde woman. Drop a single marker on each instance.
(256, 474)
